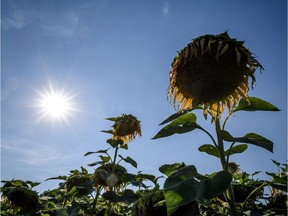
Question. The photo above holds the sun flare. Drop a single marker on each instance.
(54, 104)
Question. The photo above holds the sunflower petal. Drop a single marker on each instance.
(238, 55)
(225, 47)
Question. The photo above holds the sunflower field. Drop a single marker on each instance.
(213, 73)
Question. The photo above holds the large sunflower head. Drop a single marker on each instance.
(126, 128)
(212, 71)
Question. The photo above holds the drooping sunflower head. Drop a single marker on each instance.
(126, 128)
(109, 175)
(233, 168)
(22, 197)
(80, 181)
(212, 71)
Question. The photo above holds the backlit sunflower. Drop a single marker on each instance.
(212, 72)
(126, 128)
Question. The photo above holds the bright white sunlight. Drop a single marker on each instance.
(55, 104)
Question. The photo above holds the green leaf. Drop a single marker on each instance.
(209, 149)
(187, 185)
(33, 184)
(250, 138)
(100, 151)
(105, 159)
(276, 163)
(107, 131)
(83, 170)
(255, 173)
(143, 177)
(236, 149)
(183, 119)
(255, 104)
(114, 143)
(179, 129)
(95, 163)
(225, 135)
(129, 160)
(111, 196)
(182, 124)
(112, 119)
(258, 140)
(168, 169)
(57, 178)
(174, 116)
(128, 196)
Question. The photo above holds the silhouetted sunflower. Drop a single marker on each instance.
(212, 72)
(126, 128)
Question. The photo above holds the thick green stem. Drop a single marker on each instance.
(109, 210)
(230, 194)
(95, 200)
(220, 145)
(115, 155)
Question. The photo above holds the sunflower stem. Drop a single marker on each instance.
(251, 194)
(211, 137)
(95, 200)
(220, 145)
(109, 210)
(229, 192)
(228, 155)
(115, 154)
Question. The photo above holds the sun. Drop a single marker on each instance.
(54, 104)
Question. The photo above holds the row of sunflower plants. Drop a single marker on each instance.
(111, 190)
(211, 74)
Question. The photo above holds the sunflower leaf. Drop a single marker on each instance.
(174, 116)
(177, 129)
(112, 119)
(105, 159)
(209, 149)
(186, 185)
(182, 124)
(236, 149)
(258, 140)
(95, 163)
(250, 138)
(107, 131)
(129, 160)
(57, 178)
(169, 169)
(114, 143)
(255, 104)
(184, 119)
(100, 151)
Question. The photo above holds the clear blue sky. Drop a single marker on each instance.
(114, 57)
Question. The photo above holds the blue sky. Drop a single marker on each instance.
(114, 57)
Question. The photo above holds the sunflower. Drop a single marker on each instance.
(211, 72)
(126, 128)
(22, 197)
(109, 175)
